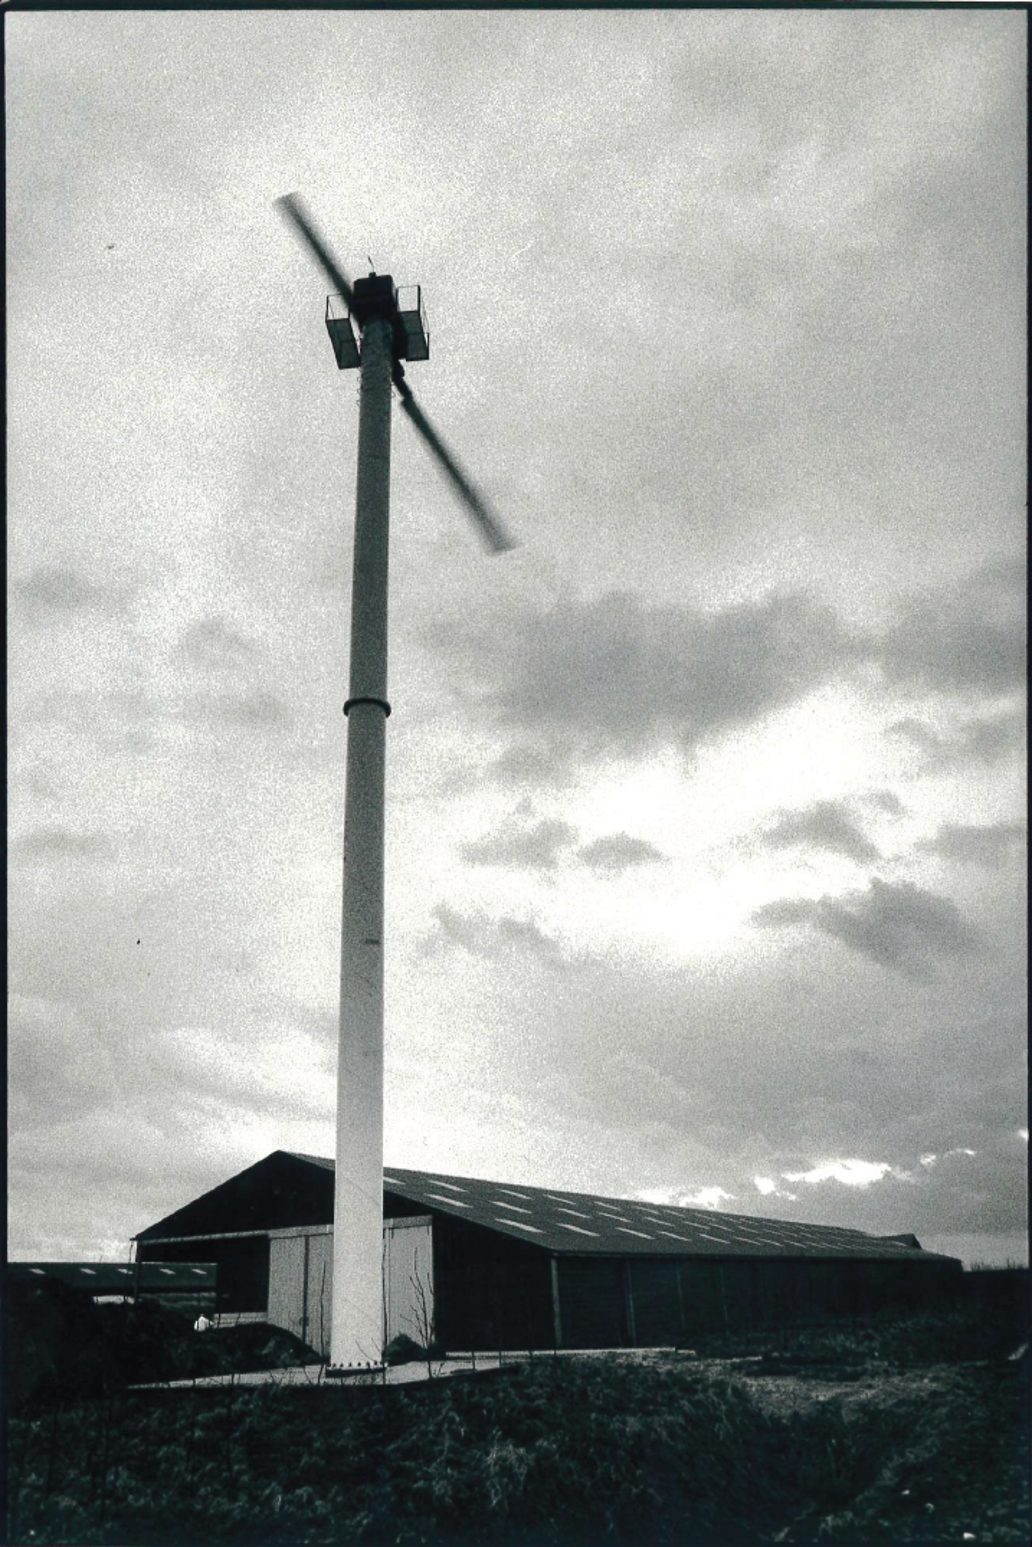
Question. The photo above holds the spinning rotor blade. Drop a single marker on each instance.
(292, 208)
(494, 534)
(490, 528)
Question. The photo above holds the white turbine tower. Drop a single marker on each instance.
(389, 333)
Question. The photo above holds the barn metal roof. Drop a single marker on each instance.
(110, 1278)
(565, 1221)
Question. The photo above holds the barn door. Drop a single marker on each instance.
(408, 1279)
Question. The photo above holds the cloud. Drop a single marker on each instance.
(56, 590)
(228, 663)
(898, 925)
(885, 800)
(535, 848)
(964, 638)
(58, 1068)
(770, 1189)
(901, 926)
(990, 846)
(542, 846)
(62, 843)
(617, 852)
(616, 676)
(495, 938)
(851, 1173)
(982, 739)
(701, 1198)
(253, 708)
(212, 643)
(826, 824)
(784, 910)
(708, 1197)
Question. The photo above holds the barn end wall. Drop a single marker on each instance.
(285, 1277)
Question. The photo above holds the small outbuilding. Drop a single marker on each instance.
(488, 1266)
(190, 1285)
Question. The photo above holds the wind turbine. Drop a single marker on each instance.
(389, 333)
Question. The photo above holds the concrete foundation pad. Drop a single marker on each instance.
(419, 1371)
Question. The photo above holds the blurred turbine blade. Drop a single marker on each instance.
(292, 208)
(490, 528)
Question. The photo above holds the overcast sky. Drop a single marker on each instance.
(706, 837)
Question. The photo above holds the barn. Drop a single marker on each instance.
(488, 1266)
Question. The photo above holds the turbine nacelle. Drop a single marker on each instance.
(377, 296)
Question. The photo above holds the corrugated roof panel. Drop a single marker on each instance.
(628, 1226)
(107, 1278)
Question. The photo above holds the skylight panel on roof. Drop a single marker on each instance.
(393, 1180)
(576, 1212)
(721, 1241)
(579, 1229)
(610, 1215)
(167, 1272)
(456, 1203)
(39, 1271)
(451, 1186)
(199, 1271)
(519, 1225)
(624, 1230)
(552, 1198)
(517, 1208)
(510, 1194)
(675, 1237)
(90, 1271)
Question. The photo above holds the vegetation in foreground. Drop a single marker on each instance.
(559, 1452)
(904, 1430)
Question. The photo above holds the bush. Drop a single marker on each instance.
(61, 1344)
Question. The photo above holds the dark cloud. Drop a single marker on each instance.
(62, 843)
(784, 910)
(227, 661)
(885, 800)
(825, 825)
(496, 938)
(257, 709)
(56, 590)
(616, 676)
(59, 1068)
(982, 739)
(547, 842)
(534, 848)
(617, 852)
(989, 846)
(214, 644)
(898, 925)
(968, 638)
(252, 708)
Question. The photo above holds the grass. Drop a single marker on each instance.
(915, 1429)
(575, 1452)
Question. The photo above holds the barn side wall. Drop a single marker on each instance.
(742, 1292)
(491, 1292)
(608, 1302)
